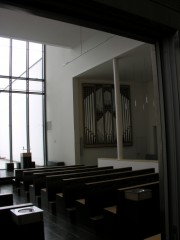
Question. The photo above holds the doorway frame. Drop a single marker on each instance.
(99, 16)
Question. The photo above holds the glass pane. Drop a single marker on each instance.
(35, 60)
(35, 86)
(18, 58)
(4, 56)
(35, 71)
(19, 85)
(3, 163)
(4, 126)
(4, 84)
(36, 128)
(18, 124)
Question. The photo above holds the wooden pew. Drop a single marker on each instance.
(6, 199)
(19, 172)
(6, 222)
(28, 175)
(39, 179)
(133, 219)
(154, 237)
(54, 184)
(75, 188)
(53, 163)
(5, 214)
(10, 230)
(99, 195)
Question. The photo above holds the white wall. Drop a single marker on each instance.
(144, 118)
(25, 26)
(85, 48)
(62, 66)
(135, 70)
(134, 163)
(141, 121)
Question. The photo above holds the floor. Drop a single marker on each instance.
(54, 228)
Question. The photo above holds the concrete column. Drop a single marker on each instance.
(119, 127)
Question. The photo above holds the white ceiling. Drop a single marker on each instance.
(137, 60)
(24, 26)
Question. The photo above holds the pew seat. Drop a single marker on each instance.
(155, 237)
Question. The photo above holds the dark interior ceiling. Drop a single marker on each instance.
(93, 15)
(172, 4)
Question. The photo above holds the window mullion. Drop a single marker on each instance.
(45, 152)
(27, 97)
(10, 103)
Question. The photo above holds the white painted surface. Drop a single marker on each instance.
(135, 70)
(134, 163)
(61, 69)
(84, 49)
(25, 26)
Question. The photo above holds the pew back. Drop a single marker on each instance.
(147, 212)
(11, 230)
(6, 199)
(54, 183)
(104, 193)
(129, 217)
(39, 179)
(19, 172)
(5, 213)
(75, 188)
(28, 175)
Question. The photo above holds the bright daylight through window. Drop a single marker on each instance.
(21, 100)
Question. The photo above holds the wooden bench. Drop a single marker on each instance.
(54, 184)
(155, 237)
(28, 175)
(99, 195)
(75, 188)
(19, 172)
(15, 225)
(39, 179)
(6, 222)
(135, 218)
(6, 199)
(53, 163)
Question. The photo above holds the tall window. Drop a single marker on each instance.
(21, 100)
(100, 117)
